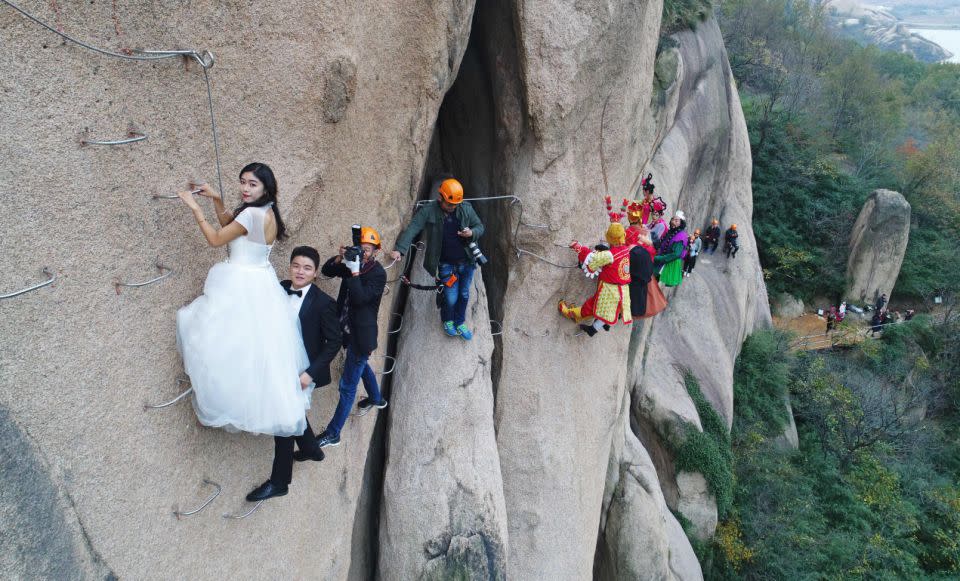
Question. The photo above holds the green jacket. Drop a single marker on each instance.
(429, 220)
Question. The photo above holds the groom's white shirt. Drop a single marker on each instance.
(297, 302)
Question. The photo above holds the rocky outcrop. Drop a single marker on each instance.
(535, 454)
(877, 245)
(786, 306)
(876, 25)
(443, 513)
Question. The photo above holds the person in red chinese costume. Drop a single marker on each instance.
(611, 264)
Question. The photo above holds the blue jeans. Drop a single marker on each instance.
(355, 368)
(453, 307)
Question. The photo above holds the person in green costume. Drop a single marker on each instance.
(672, 250)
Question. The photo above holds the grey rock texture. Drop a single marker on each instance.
(878, 242)
(786, 306)
(549, 462)
(443, 509)
(42, 537)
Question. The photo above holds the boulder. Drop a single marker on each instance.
(878, 242)
(786, 306)
(697, 503)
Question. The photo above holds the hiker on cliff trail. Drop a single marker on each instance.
(881, 302)
(711, 238)
(322, 338)
(731, 241)
(693, 249)
(358, 303)
(452, 228)
(611, 264)
(672, 250)
(239, 341)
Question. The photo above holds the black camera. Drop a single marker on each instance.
(474, 249)
(352, 253)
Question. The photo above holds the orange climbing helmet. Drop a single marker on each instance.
(369, 236)
(451, 191)
(733, 226)
(696, 231)
(715, 222)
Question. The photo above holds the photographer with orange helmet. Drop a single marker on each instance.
(451, 228)
(358, 304)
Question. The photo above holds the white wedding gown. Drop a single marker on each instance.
(241, 343)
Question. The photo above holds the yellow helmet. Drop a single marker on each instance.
(452, 191)
(369, 236)
(616, 235)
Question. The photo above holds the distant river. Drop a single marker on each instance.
(948, 39)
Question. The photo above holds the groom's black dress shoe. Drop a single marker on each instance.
(266, 490)
(301, 456)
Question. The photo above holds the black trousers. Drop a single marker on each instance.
(688, 263)
(282, 473)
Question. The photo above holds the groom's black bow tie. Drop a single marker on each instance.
(299, 293)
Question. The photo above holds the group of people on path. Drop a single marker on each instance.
(880, 318)
(256, 347)
(648, 253)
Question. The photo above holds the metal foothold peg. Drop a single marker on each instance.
(235, 516)
(219, 489)
(117, 284)
(50, 278)
(132, 137)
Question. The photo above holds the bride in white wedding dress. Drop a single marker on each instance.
(241, 344)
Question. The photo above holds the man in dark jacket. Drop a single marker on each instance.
(731, 241)
(358, 304)
(449, 225)
(320, 327)
(711, 238)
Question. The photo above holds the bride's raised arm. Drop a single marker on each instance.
(216, 238)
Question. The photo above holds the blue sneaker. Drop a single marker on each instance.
(450, 329)
(464, 331)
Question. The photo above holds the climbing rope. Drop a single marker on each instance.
(204, 59)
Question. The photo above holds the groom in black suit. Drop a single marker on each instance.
(322, 338)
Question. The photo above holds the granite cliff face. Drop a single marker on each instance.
(531, 454)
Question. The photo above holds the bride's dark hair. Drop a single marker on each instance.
(266, 177)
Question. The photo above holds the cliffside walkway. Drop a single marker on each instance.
(812, 335)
